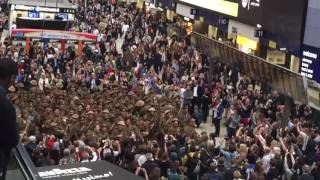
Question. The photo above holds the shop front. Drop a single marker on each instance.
(210, 17)
(242, 36)
(24, 12)
(64, 38)
(185, 16)
(217, 24)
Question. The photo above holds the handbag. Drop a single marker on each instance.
(196, 170)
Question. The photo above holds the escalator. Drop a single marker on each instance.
(20, 166)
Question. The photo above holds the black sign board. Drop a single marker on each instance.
(173, 5)
(194, 11)
(310, 63)
(259, 33)
(282, 19)
(223, 21)
(83, 171)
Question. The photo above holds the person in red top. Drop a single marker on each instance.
(50, 142)
(215, 95)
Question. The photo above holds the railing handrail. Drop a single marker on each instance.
(25, 162)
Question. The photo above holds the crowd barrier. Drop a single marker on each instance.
(279, 78)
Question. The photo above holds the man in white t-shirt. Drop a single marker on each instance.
(125, 28)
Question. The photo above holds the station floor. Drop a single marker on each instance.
(209, 128)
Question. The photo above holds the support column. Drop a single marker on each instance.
(80, 47)
(63, 45)
(26, 50)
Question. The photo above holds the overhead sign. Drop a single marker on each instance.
(53, 34)
(66, 10)
(310, 63)
(33, 14)
(247, 4)
(86, 171)
(43, 9)
(223, 21)
(259, 33)
(31, 8)
(194, 12)
(63, 16)
(220, 6)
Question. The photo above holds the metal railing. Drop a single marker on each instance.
(279, 78)
(25, 163)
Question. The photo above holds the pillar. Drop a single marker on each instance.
(26, 50)
(80, 47)
(63, 45)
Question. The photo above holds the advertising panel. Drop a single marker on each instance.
(310, 63)
(95, 170)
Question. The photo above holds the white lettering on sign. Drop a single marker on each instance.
(305, 65)
(31, 8)
(248, 3)
(310, 54)
(92, 177)
(308, 59)
(63, 172)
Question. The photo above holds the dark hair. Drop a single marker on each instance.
(232, 147)
(8, 68)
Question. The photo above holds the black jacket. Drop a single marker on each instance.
(306, 177)
(9, 136)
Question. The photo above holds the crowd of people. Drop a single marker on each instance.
(138, 106)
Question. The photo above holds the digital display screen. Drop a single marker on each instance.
(65, 10)
(282, 19)
(310, 63)
(64, 16)
(33, 14)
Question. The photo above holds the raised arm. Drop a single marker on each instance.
(282, 145)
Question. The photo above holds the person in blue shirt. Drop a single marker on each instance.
(217, 119)
(21, 76)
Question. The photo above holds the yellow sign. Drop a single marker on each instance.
(221, 6)
(247, 43)
(273, 44)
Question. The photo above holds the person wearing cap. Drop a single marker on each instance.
(9, 136)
